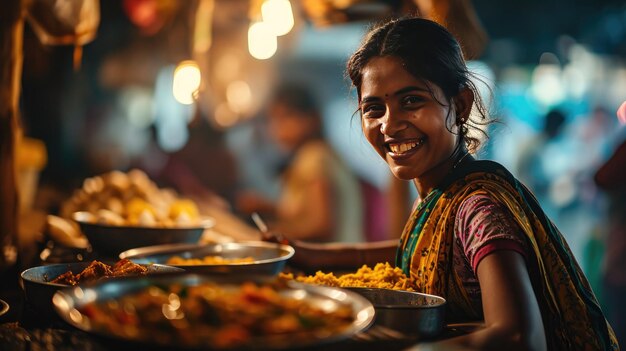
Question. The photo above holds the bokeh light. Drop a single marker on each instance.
(262, 43)
(547, 85)
(137, 103)
(278, 15)
(170, 116)
(224, 116)
(621, 113)
(239, 96)
(186, 83)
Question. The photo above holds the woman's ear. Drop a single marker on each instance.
(463, 103)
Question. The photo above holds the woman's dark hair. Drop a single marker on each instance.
(430, 53)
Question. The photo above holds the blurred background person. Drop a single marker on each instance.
(531, 162)
(611, 177)
(320, 198)
(204, 169)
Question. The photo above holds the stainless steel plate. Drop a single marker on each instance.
(111, 240)
(412, 313)
(269, 258)
(39, 290)
(68, 303)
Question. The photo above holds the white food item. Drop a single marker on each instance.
(183, 219)
(146, 219)
(109, 217)
(65, 232)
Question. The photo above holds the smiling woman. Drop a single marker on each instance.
(476, 236)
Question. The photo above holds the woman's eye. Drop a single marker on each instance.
(412, 100)
(372, 110)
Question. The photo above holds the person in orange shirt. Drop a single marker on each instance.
(320, 198)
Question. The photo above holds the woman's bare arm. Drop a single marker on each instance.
(512, 316)
(311, 257)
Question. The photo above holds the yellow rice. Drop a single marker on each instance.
(383, 276)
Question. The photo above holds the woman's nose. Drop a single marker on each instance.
(391, 124)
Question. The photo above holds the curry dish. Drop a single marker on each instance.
(98, 270)
(219, 316)
(382, 276)
(208, 260)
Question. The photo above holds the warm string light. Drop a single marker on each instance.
(262, 42)
(278, 15)
(277, 20)
(186, 83)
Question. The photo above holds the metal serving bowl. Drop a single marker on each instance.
(111, 240)
(412, 313)
(269, 258)
(68, 303)
(39, 290)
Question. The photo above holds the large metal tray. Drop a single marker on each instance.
(269, 258)
(68, 303)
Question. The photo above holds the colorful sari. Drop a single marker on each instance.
(569, 308)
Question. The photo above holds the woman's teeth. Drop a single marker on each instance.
(403, 147)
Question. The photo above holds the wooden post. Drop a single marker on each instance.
(11, 37)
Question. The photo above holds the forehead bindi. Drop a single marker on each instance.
(384, 78)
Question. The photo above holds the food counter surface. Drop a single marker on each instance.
(32, 332)
(24, 329)
(16, 337)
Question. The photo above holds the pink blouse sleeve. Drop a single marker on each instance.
(484, 226)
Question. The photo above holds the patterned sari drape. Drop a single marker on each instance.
(569, 308)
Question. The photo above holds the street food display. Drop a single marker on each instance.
(216, 315)
(208, 260)
(383, 276)
(98, 270)
(131, 199)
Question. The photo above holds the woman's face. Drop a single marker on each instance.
(404, 123)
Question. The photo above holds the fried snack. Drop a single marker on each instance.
(382, 276)
(207, 260)
(127, 267)
(98, 270)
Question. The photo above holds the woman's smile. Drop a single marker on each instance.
(401, 150)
